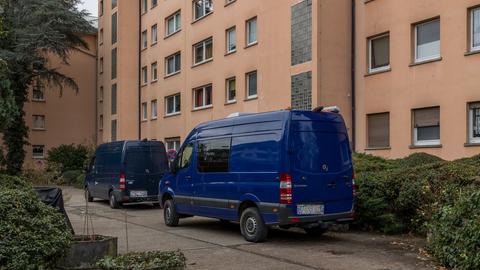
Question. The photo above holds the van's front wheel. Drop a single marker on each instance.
(170, 214)
(252, 226)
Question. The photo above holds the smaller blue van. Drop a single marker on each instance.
(283, 168)
(126, 172)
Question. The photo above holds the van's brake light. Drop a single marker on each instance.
(122, 181)
(286, 196)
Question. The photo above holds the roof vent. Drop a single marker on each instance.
(330, 109)
(237, 114)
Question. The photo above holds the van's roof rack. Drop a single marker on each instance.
(331, 109)
(237, 114)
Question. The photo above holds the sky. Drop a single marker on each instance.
(91, 6)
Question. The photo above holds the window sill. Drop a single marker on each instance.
(153, 44)
(154, 81)
(230, 102)
(144, 84)
(202, 63)
(378, 148)
(39, 100)
(144, 49)
(377, 72)
(229, 3)
(472, 144)
(472, 52)
(425, 146)
(251, 98)
(144, 120)
(251, 45)
(172, 34)
(154, 118)
(38, 158)
(201, 18)
(368, 1)
(172, 115)
(230, 53)
(202, 108)
(426, 62)
(39, 129)
(171, 75)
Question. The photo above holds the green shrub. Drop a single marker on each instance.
(39, 176)
(71, 177)
(32, 234)
(454, 237)
(69, 157)
(417, 159)
(158, 260)
(367, 163)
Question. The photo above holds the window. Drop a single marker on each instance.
(252, 31)
(101, 65)
(38, 94)
(114, 28)
(202, 97)
(379, 53)
(114, 63)
(203, 51)
(427, 41)
(231, 90)
(144, 6)
(144, 111)
(251, 84)
(202, 8)
(154, 109)
(114, 130)
(475, 29)
(172, 105)
(172, 143)
(154, 33)
(378, 130)
(154, 72)
(144, 75)
(144, 39)
(38, 122)
(231, 40)
(426, 126)
(100, 94)
(173, 64)
(100, 9)
(183, 159)
(474, 122)
(100, 122)
(154, 3)
(114, 4)
(114, 99)
(173, 24)
(213, 155)
(100, 39)
(38, 151)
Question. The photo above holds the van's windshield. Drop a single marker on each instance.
(144, 160)
(321, 152)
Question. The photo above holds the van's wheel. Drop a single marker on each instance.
(156, 204)
(252, 226)
(170, 214)
(88, 197)
(114, 204)
(315, 231)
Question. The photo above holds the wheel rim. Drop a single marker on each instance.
(168, 213)
(112, 199)
(251, 226)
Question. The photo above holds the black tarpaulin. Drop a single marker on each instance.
(53, 197)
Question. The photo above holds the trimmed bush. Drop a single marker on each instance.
(32, 234)
(69, 157)
(72, 178)
(158, 260)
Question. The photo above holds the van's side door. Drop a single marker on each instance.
(184, 179)
(90, 175)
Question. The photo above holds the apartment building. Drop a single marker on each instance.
(166, 66)
(417, 77)
(55, 116)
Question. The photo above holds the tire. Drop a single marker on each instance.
(170, 215)
(88, 197)
(315, 231)
(114, 204)
(156, 204)
(252, 226)
(224, 222)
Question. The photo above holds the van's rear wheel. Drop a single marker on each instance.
(170, 214)
(88, 197)
(315, 231)
(252, 226)
(114, 204)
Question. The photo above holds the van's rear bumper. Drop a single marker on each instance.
(123, 197)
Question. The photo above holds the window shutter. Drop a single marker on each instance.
(378, 130)
(426, 117)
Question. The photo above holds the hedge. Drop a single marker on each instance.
(158, 260)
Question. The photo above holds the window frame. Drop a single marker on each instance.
(195, 18)
(203, 43)
(43, 151)
(472, 46)
(174, 57)
(154, 4)
(176, 142)
(369, 132)
(114, 28)
(34, 99)
(425, 143)
(470, 110)
(198, 155)
(370, 54)
(247, 32)
(144, 7)
(114, 99)
(175, 23)
(114, 61)
(227, 40)
(144, 75)
(144, 111)
(154, 109)
(175, 101)
(144, 39)
(154, 71)
(204, 97)
(154, 34)
(40, 116)
(430, 58)
(247, 84)
(100, 122)
(227, 90)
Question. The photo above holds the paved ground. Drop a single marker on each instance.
(208, 244)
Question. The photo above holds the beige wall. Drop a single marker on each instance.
(69, 115)
(450, 83)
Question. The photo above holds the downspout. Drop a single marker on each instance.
(139, 101)
(353, 81)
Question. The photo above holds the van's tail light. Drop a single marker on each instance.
(122, 181)
(354, 186)
(285, 188)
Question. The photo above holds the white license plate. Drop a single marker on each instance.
(138, 193)
(310, 209)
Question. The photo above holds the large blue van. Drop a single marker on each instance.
(283, 168)
(126, 171)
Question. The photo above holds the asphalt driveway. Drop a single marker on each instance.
(208, 244)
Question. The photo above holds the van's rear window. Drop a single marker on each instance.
(141, 160)
(321, 152)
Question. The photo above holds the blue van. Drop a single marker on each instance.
(283, 168)
(126, 171)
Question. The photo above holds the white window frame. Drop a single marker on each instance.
(154, 109)
(370, 54)
(144, 6)
(204, 89)
(38, 99)
(144, 39)
(228, 2)
(154, 71)
(43, 151)
(250, 43)
(41, 116)
(433, 57)
(175, 23)
(144, 111)
(174, 105)
(176, 143)
(144, 75)
(227, 88)
(154, 34)
(203, 7)
(423, 142)
(227, 32)
(174, 57)
(204, 56)
(471, 139)
(100, 122)
(472, 30)
(247, 81)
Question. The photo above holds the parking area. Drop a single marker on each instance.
(209, 244)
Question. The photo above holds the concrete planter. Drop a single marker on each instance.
(86, 251)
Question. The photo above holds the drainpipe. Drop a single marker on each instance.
(139, 101)
(353, 53)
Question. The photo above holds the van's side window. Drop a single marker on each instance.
(186, 157)
(213, 155)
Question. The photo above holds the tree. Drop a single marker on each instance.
(35, 30)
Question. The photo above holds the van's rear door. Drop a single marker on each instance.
(321, 164)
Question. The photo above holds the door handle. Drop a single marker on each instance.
(188, 177)
(332, 185)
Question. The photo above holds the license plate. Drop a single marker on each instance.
(138, 193)
(310, 209)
